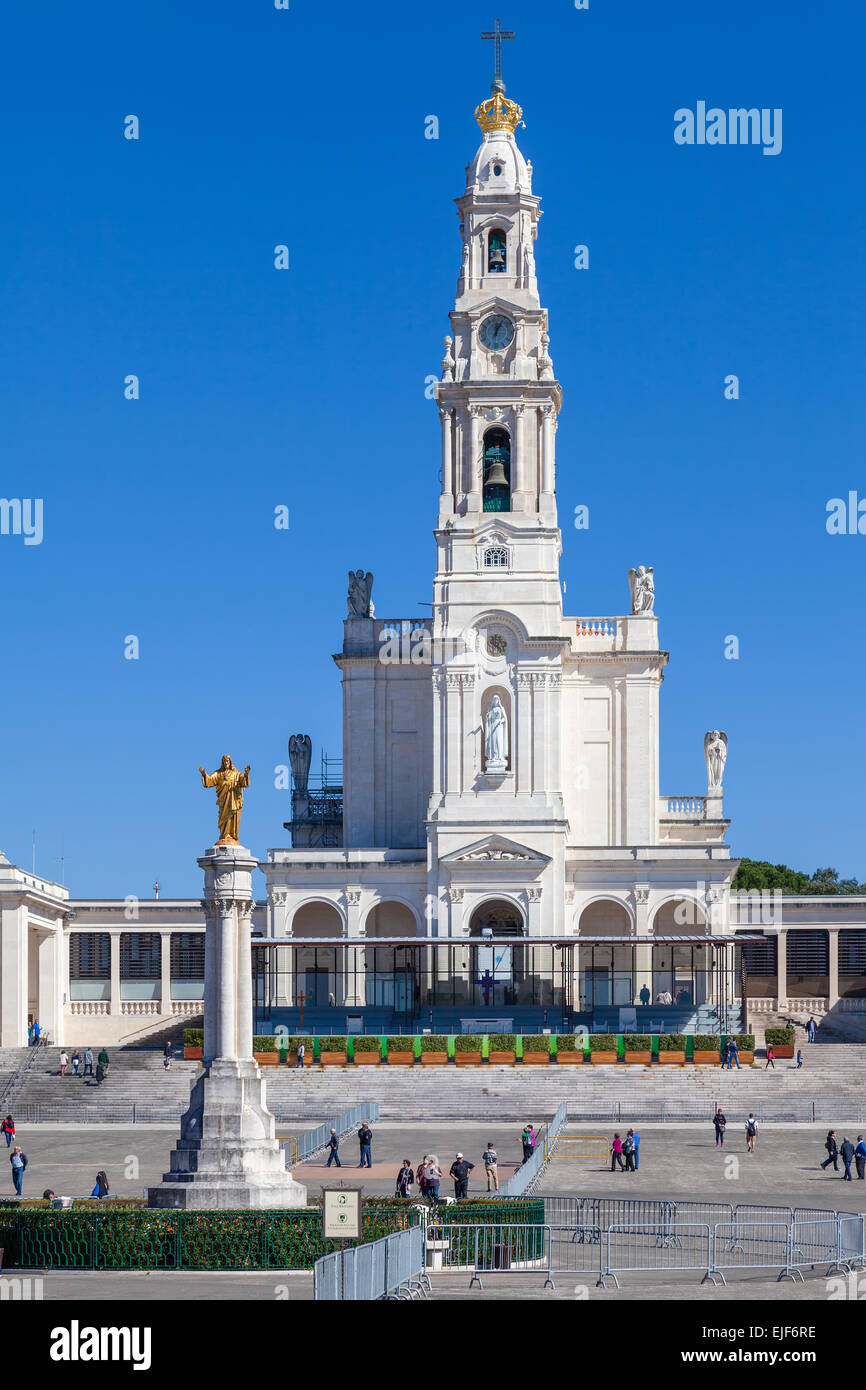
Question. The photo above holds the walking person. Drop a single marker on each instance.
(846, 1153)
(636, 1137)
(101, 1188)
(860, 1157)
(8, 1128)
(726, 1053)
(18, 1159)
(365, 1139)
(490, 1159)
(166, 1056)
(37, 1032)
(405, 1179)
(719, 1121)
(733, 1055)
(334, 1145)
(810, 1030)
(76, 1062)
(799, 1059)
(88, 1062)
(459, 1171)
(302, 1052)
(432, 1178)
(102, 1065)
(526, 1141)
(616, 1154)
(421, 1176)
(64, 1062)
(771, 1060)
(628, 1151)
(832, 1151)
(751, 1133)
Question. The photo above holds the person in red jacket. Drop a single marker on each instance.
(616, 1154)
(8, 1128)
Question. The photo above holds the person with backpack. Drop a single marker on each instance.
(8, 1128)
(18, 1159)
(832, 1151)
(719, 1122)
(405, 1179)
(771, 1060)
(751, 1133)
(526, 1141)
(88, 1062)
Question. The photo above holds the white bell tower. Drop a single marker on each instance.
(497, 600)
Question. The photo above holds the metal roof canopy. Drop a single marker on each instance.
(738, 940)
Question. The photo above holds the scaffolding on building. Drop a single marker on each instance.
(317, 812)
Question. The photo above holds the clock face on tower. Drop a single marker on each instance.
(496, 332)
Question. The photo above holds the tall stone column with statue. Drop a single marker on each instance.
(227, 1156)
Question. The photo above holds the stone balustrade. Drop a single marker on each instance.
(687, 807)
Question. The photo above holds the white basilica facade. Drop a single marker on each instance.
(498, 844)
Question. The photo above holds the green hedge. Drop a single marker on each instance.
(502, 1042)
(434, 1042)
(707, 1042)
(333, 1044)
(193, 1037)
(565, 1042)
(536, 1042)
(264, 1045)
(292, 1045)
(672, 1042)
(401, 1043)
(637, 1042)
(600, 1042)
(366, 1042)
(746, 1041)
(779, 1037)
(468, 1042)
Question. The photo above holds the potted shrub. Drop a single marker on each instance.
(292, 1053)
(781, 1040)
(401, 1051)
(333, 1051)
(536, 1050)
(265, 1052)
(367, 1050)
(568, 1054)
(501, 1048)
(672, 1049)
(434, 1050)
(638, 1049)
(602, 1049)
(746, 1048)
(193, 1044)
(467, 1049)
(706, 1050)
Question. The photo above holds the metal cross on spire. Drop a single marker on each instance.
(497, 35)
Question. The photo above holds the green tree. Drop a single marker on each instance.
(758, 873)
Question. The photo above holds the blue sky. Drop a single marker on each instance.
(306, 388)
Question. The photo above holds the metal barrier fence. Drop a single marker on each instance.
(303, 1146)
(392, 1267)
(103, 1112)
(530, 1173)
(578, 1146)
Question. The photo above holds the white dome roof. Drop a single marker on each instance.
(498, 151)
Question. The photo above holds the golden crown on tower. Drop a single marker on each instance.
(498, 113)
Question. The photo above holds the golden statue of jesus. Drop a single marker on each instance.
(229, 783)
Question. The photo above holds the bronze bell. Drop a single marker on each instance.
(496, 477)
(497, 256)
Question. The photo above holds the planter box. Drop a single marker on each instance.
(671, 1059)
(333, 1059)
(292, 1059)
(192, 1054)
(536, 1059)
(501, 1059)
(401, 1059)
(569, 1059)
(781, 1052)
(643, 1059)
(707, 1059)
(746, 1058)
(467, 1059)
(603, 1059)
(367, 1059)
(267, 1059)
(434, 1059)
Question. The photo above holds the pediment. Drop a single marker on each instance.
(499, 850)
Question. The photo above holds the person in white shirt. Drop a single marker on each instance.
(751, 1133)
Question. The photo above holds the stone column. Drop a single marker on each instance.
(447, 501)
(227, 1156)
(781, 971)
(476, 465)
(833, 990)
(518, 461)
(165, 972)
(548, 427)
(114, 1006)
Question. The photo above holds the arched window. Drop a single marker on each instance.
(496, 253)
(496, 557)
(497, 471)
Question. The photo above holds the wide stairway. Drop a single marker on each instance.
(831, 1079)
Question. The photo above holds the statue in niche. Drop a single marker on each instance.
(300, 753)
(643, 592)
(360, 589)
(716, 754)
(496, 736)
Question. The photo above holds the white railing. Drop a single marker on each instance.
(141, 1007)
(597, 627)
(89, 1006)
(187, 1006)
(682, 805)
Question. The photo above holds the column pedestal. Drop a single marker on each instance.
(227, 1157)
